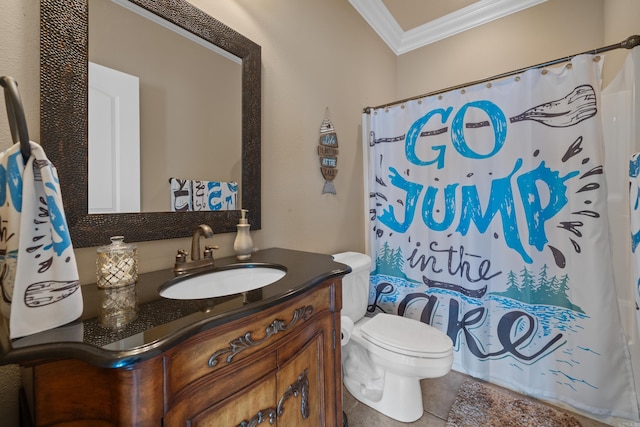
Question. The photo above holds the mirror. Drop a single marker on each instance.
(64, 122)
(156, 93)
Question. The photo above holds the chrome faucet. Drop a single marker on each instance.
(182, 265)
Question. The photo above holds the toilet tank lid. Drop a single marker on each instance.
(355, 260)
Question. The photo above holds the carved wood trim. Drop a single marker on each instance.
(268, 414)
(299, 388)
(246, 341)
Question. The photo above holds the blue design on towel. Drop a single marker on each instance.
(215, 192)
(59, 227)
(13, 177)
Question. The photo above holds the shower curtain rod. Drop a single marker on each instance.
(629, 43)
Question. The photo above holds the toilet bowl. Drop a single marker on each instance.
(385, 356)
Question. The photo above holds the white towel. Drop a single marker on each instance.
(194, 195)
(39, 276)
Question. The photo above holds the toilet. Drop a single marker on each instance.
(384, 357)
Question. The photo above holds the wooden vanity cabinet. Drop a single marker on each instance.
(279, 366)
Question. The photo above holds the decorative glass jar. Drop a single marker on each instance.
(117, 264)
(117, 274)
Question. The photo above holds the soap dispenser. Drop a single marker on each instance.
(243, 245)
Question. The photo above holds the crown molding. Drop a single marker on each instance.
(481, 12)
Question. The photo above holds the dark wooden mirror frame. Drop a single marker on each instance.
(64, 124)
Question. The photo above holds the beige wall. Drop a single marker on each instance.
(315, 56)
(320, 55)
(621, 20)
(554, 29)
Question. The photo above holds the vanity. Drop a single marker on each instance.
(270, 355)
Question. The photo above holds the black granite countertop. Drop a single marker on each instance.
(163, 323)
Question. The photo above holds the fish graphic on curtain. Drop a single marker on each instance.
(488, 220)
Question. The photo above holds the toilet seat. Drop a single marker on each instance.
(406, 336)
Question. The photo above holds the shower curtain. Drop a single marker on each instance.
(489, 221)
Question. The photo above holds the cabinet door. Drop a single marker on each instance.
(301, 379)
(249, 407)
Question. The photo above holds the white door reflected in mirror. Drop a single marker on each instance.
(114, 141)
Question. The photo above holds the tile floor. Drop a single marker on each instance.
(438, 396)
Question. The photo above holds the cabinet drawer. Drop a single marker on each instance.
(225, 400)
(223, 347)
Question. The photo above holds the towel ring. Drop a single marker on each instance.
(17, 121)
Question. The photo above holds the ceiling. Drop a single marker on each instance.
(406, 25)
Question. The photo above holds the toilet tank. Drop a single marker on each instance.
(355, 285)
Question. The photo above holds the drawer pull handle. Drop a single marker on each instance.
(299, 388)
(244, 342)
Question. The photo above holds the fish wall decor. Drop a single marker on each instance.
(328, 153)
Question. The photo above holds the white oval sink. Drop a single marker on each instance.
(226, 281)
